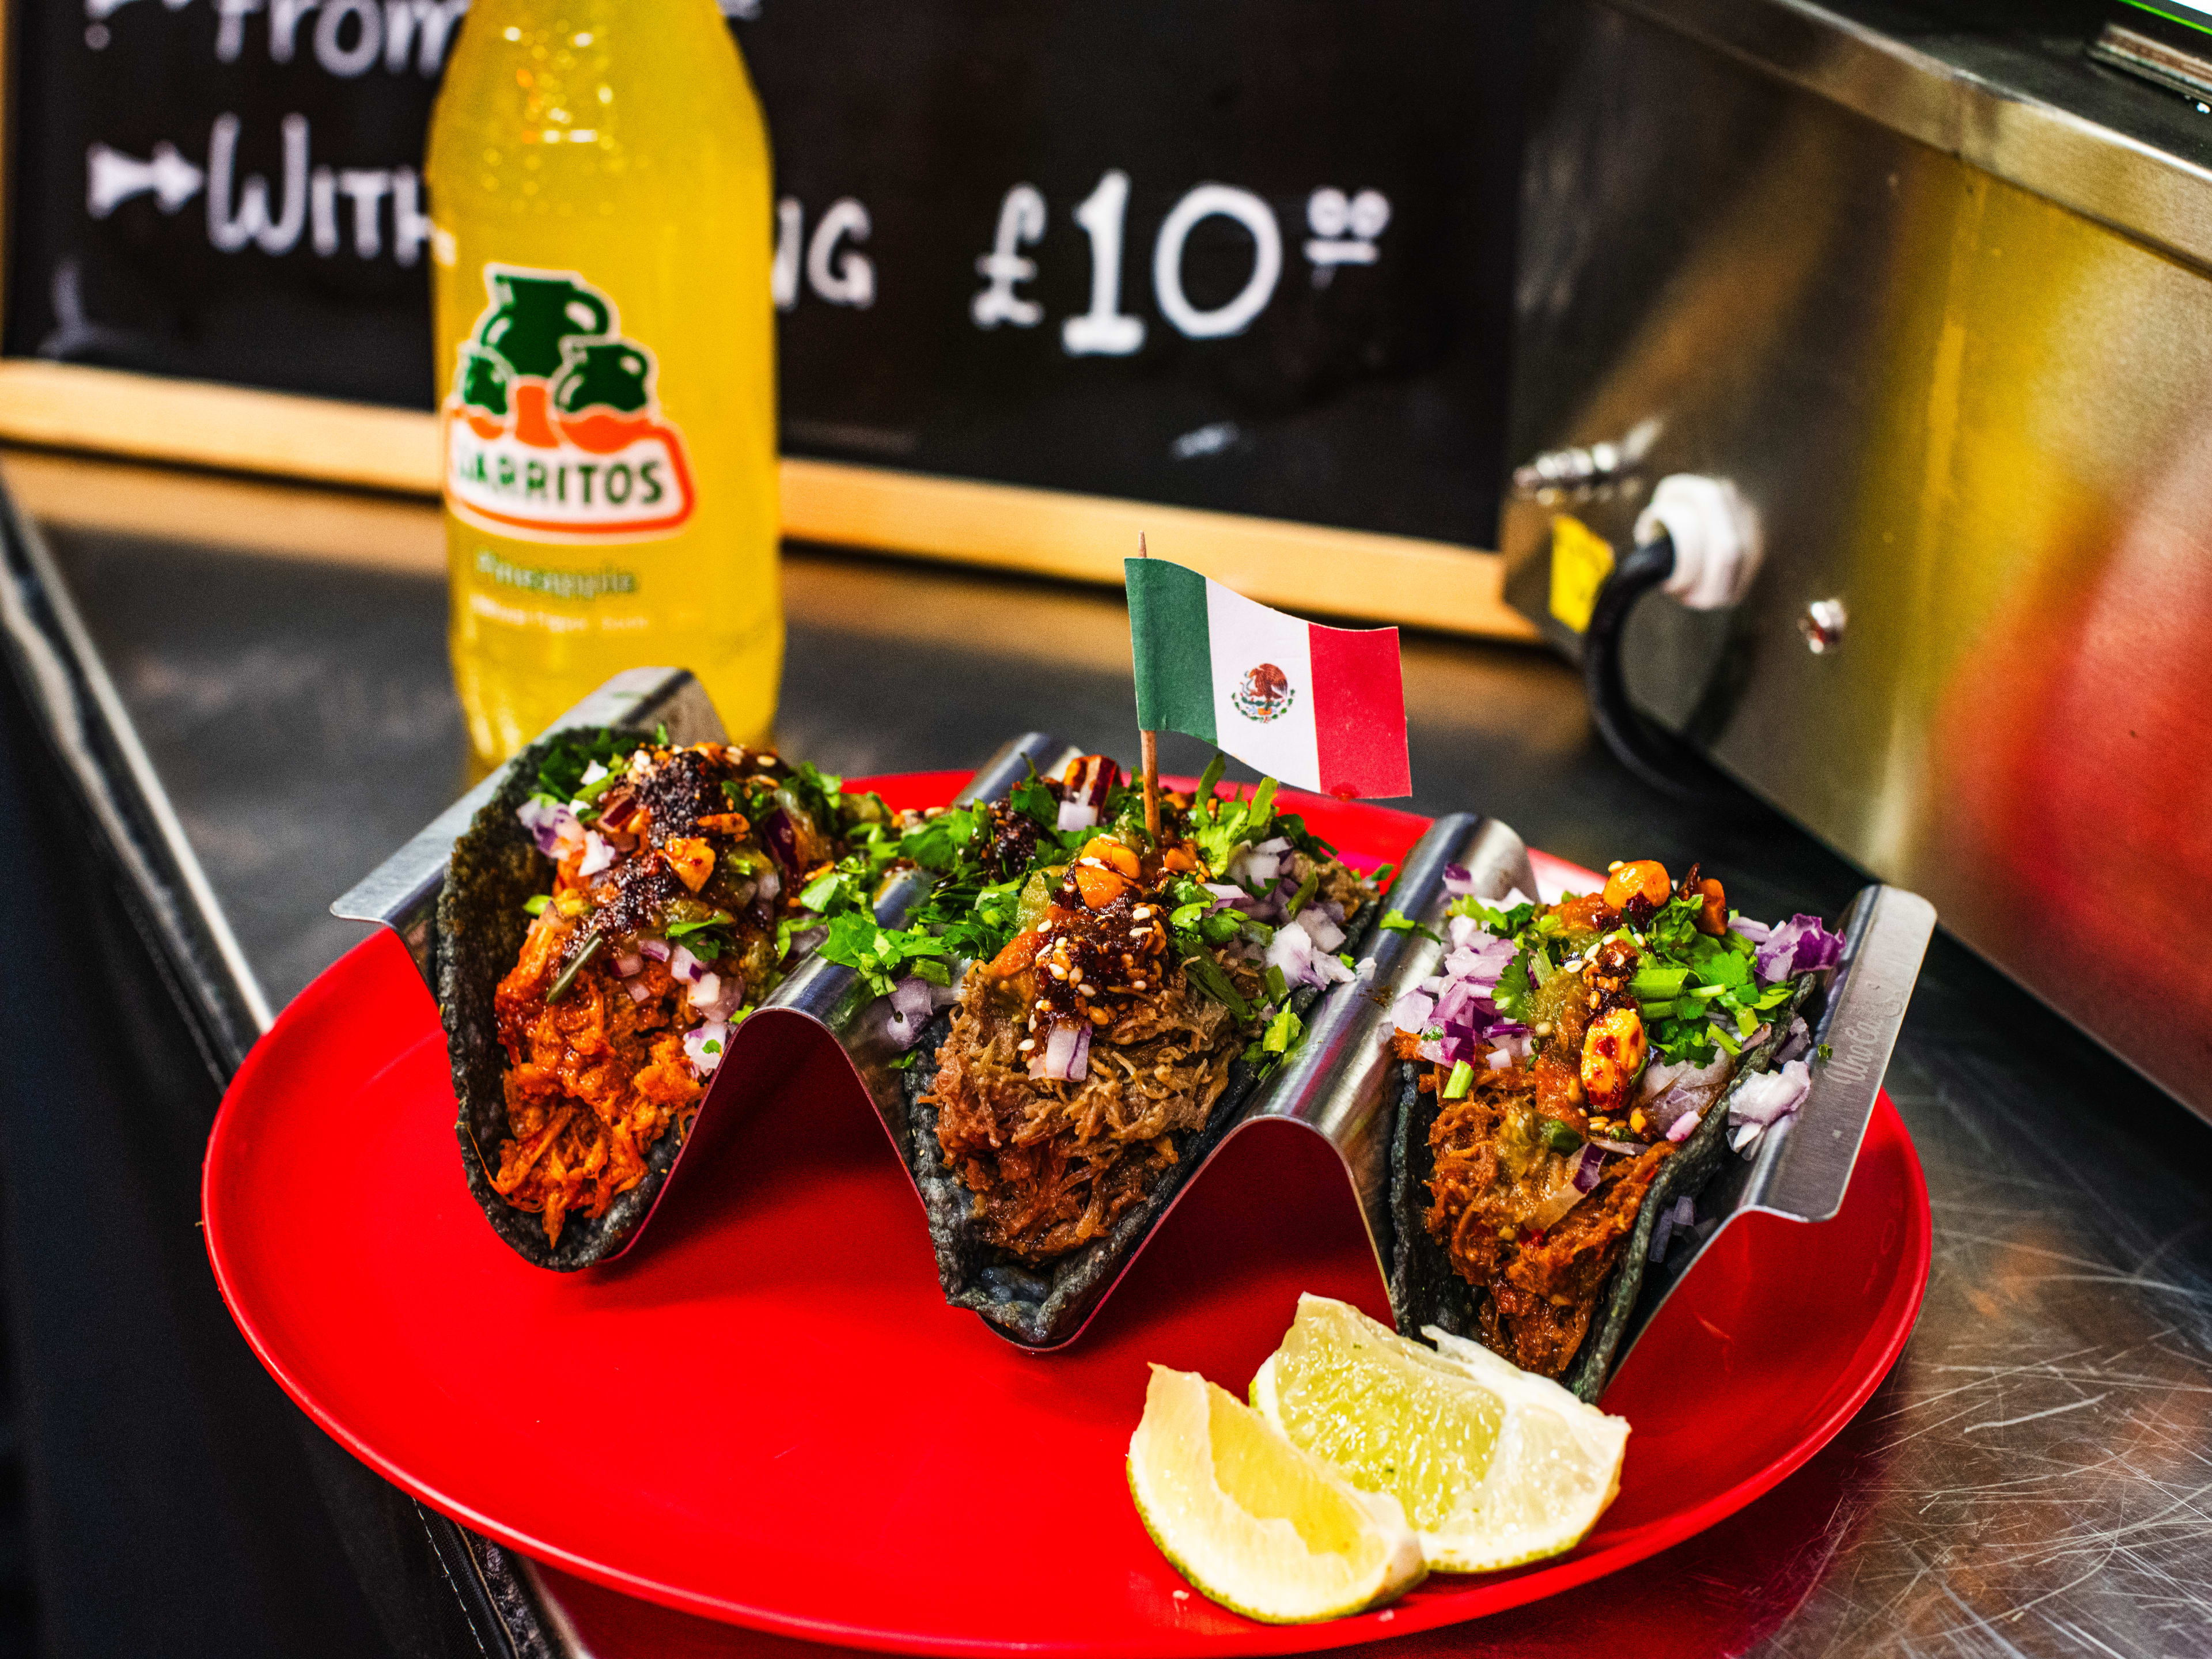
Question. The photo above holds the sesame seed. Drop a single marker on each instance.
(1027, 1043)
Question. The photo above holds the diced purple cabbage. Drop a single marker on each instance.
(1800, 945)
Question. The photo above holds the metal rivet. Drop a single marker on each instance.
(1823, 625)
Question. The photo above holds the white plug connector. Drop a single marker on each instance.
(1716, 537)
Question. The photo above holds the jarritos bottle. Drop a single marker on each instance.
(599, 190)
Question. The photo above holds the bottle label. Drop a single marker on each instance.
(553, 430)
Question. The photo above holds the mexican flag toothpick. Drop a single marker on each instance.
(1321, 708)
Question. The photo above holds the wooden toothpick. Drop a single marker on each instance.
(1149, 742)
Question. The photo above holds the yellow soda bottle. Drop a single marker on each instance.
(599, 199)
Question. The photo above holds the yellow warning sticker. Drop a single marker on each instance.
(1581, 561)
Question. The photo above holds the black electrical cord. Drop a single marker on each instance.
(1655, 755)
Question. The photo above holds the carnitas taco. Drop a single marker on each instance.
(1086, 1009)
(608, 918)
(1571, 1078)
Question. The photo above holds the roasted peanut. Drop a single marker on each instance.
(1613, 1058)
(692, 858)
(1645, 878)
(1713, 918)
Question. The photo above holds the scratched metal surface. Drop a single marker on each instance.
(2035, 1478)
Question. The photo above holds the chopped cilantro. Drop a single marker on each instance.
(1398, 922)
(1514, 989)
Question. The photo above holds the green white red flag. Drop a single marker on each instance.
(1321, 708)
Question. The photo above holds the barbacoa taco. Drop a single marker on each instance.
(1571, 1078)
(607, 919)
(1086, 1009)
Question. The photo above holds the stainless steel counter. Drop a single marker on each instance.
(2035, 1478)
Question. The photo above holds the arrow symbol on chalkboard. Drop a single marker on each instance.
(114, 177)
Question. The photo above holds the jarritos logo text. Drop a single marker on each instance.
(553, 432)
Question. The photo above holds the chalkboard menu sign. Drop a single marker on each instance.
(1247, 255)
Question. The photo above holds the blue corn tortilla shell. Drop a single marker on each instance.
(1426, 1289)
(1045, 1305)
(493, 868)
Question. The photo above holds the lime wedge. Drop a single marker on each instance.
(1493, 1465)
(1261, 1526)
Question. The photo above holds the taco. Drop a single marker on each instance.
(1085, 1010)
(608, 918)
(1569, 1080)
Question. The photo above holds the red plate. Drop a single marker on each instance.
(766, 1413)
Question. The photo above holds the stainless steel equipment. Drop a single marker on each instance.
(1938, 305)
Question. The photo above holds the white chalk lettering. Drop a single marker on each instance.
(1021, 219)
(231, 231)
(1205, 202)
(852, 280)
(783, 270)
(323, 212)
(1104, 329)
(284, 17)
(331, 51)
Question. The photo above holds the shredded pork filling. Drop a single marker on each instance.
(1536, 1287)
(1053, 1164)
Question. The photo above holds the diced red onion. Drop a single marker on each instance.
(1744, 1135)
(1260, 866)
(705, 1045)
(1685, 1125)
(628, 964)
(780, 837)
(1625, 1148)
(656, 948)
(597, 854)
(638, 990)
(1766, 1098)
(1589, 1165)
(771, 886)
(552, 826)
(1459, 882)
(1411, 1012)
(1325, 934)
(1227, 892)
(1276, 844)
(1364, 972)
(910, 996)
(1078, 815)
(1500, 1058)
(911, 1007)
(706, 990)
(684, 966)
(1291, 950)
(1756, 932)
(1671, 1092)
(1065, 1056)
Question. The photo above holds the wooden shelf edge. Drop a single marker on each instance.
(1342, 572)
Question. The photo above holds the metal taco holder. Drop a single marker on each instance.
(1336, 1083)
(1799, 1167)
(401, 892)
